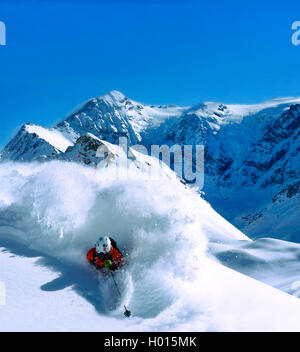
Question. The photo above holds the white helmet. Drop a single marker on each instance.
(103, 245)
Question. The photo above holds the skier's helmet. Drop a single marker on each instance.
(103, 245)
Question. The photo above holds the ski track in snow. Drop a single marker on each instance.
(52, 213)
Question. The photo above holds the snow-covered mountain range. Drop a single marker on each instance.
(251, 151)
(52, 212)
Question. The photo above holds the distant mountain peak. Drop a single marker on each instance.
(116, 94)
(113, 97)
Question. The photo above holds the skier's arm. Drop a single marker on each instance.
(91, 256)
(117, 261)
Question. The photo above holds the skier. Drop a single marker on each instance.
(105, 254)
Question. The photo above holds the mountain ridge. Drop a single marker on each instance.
(251, 151)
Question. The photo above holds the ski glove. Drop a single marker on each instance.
(107, 263)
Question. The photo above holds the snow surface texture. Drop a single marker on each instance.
(52, 213)
(272, 261)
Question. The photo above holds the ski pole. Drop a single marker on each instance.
(117, 287)
(127, 312)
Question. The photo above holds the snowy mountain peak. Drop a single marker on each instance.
(112, 116)
(34, 142)
(114, 96)
(51, 136)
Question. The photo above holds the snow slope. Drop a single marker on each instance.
(275, 262)
(52, 213)
(37, 300)
(49, 296)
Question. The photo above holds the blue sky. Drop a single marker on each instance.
(60, 53)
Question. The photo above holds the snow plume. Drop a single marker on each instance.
(62, 208)
(58, 206)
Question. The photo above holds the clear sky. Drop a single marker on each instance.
(61, 53)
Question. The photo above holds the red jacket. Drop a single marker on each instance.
(114, 255)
